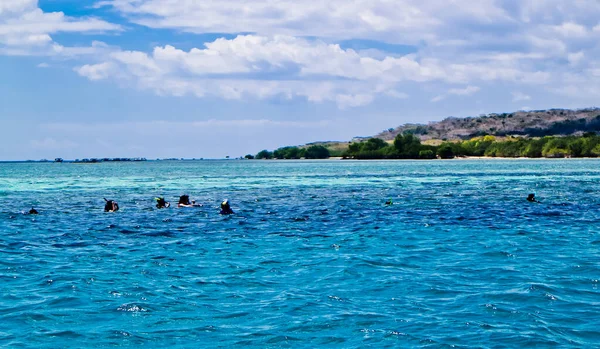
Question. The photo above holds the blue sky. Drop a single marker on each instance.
(179, 78)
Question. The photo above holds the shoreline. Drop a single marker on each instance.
(337, 158)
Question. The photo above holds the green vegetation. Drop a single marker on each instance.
(555, 133)
(311, 152)
(548, 147)
(316, 152)
(264, 154)
(289, 153)
(408, 146)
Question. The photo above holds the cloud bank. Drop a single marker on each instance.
(26, 30)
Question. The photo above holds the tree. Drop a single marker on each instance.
(264, 154)
(557, 147)
(288, 153)
(373, 144)
(316, 152)
(445, 151)
(249, 156)
(575, 147)
(534, 148)
(427, 154)
(407, 145)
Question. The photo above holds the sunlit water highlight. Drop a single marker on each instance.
(312, 257)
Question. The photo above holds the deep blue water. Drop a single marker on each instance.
(312, 257)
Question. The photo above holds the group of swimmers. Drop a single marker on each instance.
(184, 201)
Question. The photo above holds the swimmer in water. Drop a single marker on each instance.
(111, 206)
(33, 211)
(225, 208)
(184, 201)
(161, 203)
(389, 202)
(531, 198)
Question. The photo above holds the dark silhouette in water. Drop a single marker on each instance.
(531, 198)
(389, 202)
(111, 206)
(33, 211)
(161, 203)
(184, 201)
(225, 208)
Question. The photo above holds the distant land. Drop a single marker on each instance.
(535, 133)
(535, 123)
(552, 133)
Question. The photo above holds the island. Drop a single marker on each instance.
(553, 133)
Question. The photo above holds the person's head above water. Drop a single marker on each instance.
(33, 211)
(531, 198)
(110, 206)
(161, 203)
(225, 208)
(184, 200)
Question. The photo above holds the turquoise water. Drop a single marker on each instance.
(312, 257)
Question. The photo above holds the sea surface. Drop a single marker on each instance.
(312, 258)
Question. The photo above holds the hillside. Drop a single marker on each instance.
(536, 123)
(571, 133)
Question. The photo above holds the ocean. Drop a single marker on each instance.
(312, 257)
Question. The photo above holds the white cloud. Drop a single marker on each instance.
(396, 94)
(576, 58)
(291, 67)
(251, 53)
(333, 18)
(26, 30)
(15, 6)
(520, 96)
(571, 30)
(467, 91)
(350, 101)
(455, 43)
(439, 24)
(95, 71)
(438, 98)
(43, 65)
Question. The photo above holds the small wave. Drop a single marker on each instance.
(63, 334)
(132, 308)
(168, 234)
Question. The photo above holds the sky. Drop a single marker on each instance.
(216, 78)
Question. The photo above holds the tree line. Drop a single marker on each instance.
(408, 146)
(311, 152)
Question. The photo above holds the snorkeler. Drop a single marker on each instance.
(225, 208)
(531, 198)
(389, 202)
(161, 203)
(33, 211)
(111, 206)
(184, 201)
